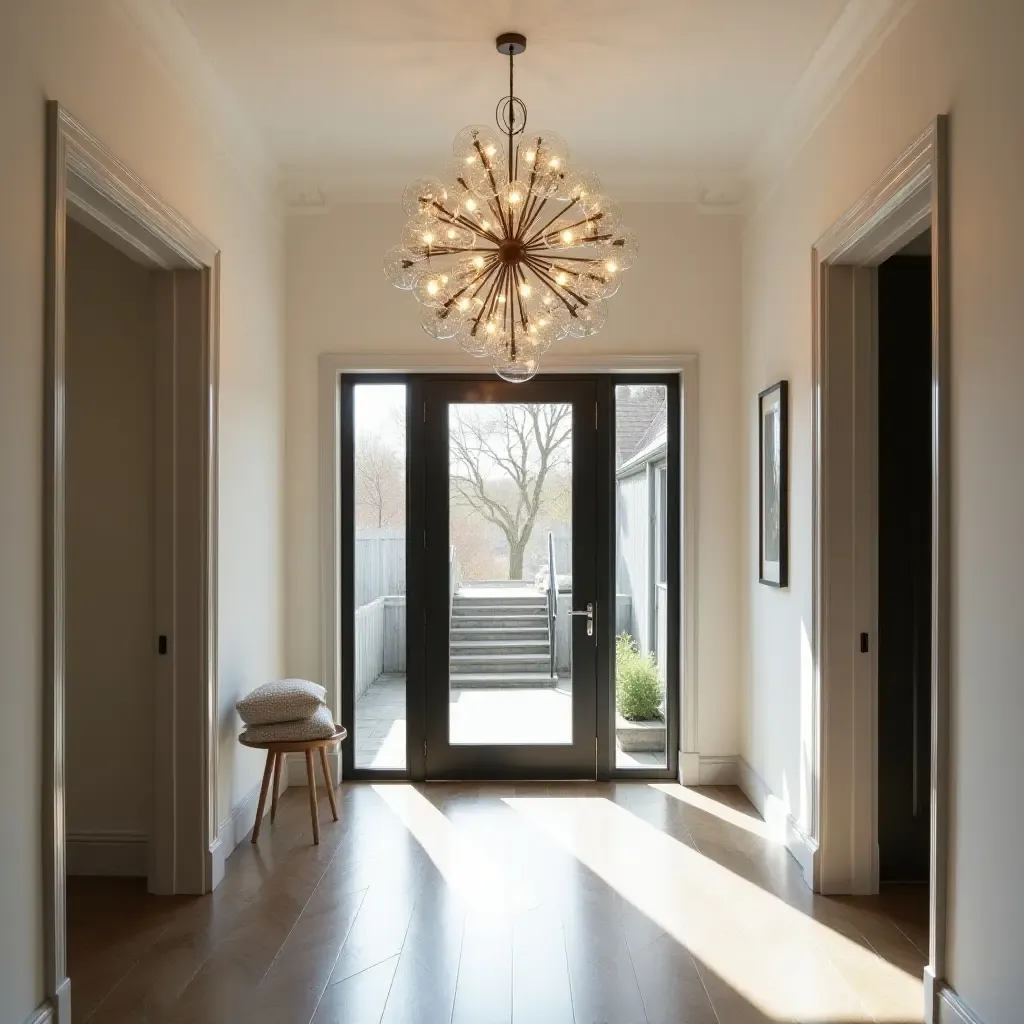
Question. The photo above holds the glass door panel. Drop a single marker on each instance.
(378, 646)
(646, 539)
(510, 546)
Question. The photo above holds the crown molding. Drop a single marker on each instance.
(229, 125)
(856, 36)
(316, 192)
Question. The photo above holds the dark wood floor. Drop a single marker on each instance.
(618, 904)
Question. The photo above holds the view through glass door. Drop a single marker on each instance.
(511, 572)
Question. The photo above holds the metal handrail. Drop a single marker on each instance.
(453, 578)
(552, 602)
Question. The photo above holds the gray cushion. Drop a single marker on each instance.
(286, 700)
(318, 726)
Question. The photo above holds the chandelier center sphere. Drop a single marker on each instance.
(511, 251)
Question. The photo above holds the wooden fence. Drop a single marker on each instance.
(379, 565)
(380, 588)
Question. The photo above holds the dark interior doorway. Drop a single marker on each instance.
(904, 563)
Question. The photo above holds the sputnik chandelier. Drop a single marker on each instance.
(515, 248)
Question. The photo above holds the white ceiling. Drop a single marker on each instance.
(662, 98)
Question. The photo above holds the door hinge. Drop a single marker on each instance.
(424, 539)
(424, 412)
(863, 643)
(595, 415)
(161, 644)
(424, 750)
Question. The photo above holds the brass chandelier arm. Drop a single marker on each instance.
(532, 240)
(539, 202)
(539, 238)
(543, 271)
(462, 219)
(489, 302)
(521, 274)
(484, 270)
(555, 288)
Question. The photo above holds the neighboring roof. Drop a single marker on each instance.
(641, 420)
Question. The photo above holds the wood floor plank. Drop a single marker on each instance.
(360, 998)
(541, 993)
(484, 989)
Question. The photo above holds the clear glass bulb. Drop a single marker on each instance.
(439, 323)
(622, 250)
(423, 235)
(401, 267)
(471, 339)
(589, 319)
(431, 287)
(424, 195)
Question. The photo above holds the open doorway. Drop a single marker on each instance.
(129, 782)
(880, 539)
(904, 369)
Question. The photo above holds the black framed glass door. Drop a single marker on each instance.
(510, 578)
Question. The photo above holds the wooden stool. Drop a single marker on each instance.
(275, 758)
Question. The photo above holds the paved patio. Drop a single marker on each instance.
(481, 716)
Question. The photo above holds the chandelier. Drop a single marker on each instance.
(514, 248)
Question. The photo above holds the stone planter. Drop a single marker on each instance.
(640, 737)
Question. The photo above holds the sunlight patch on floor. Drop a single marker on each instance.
(480, 880)
(783, 962)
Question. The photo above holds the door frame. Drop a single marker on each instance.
(912, 194)
(85, 180)
(395, 366)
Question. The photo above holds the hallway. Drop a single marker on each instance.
(470, 904)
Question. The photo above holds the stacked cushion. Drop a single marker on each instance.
(287, 710)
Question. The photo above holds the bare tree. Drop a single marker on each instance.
(501, 459)
(379, 484)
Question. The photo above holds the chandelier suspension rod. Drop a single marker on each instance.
(511, 110)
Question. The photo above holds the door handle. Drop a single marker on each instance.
(589, 613)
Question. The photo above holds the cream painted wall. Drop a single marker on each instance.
(964, 58)
(110, 656)
(681, 297)
(87, 55)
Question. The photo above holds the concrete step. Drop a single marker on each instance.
(498, 663)
(501, 635)
(489, 647)
(523, 606)
(501, 681)
(474, 621)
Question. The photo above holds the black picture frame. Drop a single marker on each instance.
(773, 485)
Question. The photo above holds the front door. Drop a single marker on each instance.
(511, 572)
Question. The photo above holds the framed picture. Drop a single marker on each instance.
(773, 499)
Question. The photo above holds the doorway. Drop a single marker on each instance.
(863, 690)
(165, 831)
(500, 546)
(904, 562)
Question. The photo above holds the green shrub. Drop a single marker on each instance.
(637, 687)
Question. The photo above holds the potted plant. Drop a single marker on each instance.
(640, 725)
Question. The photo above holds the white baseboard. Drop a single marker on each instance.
(232, 831)
(689, 769)
(943, 1005)
(718, 770)
(122, 854)
(44, 1015)
(780, 822)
